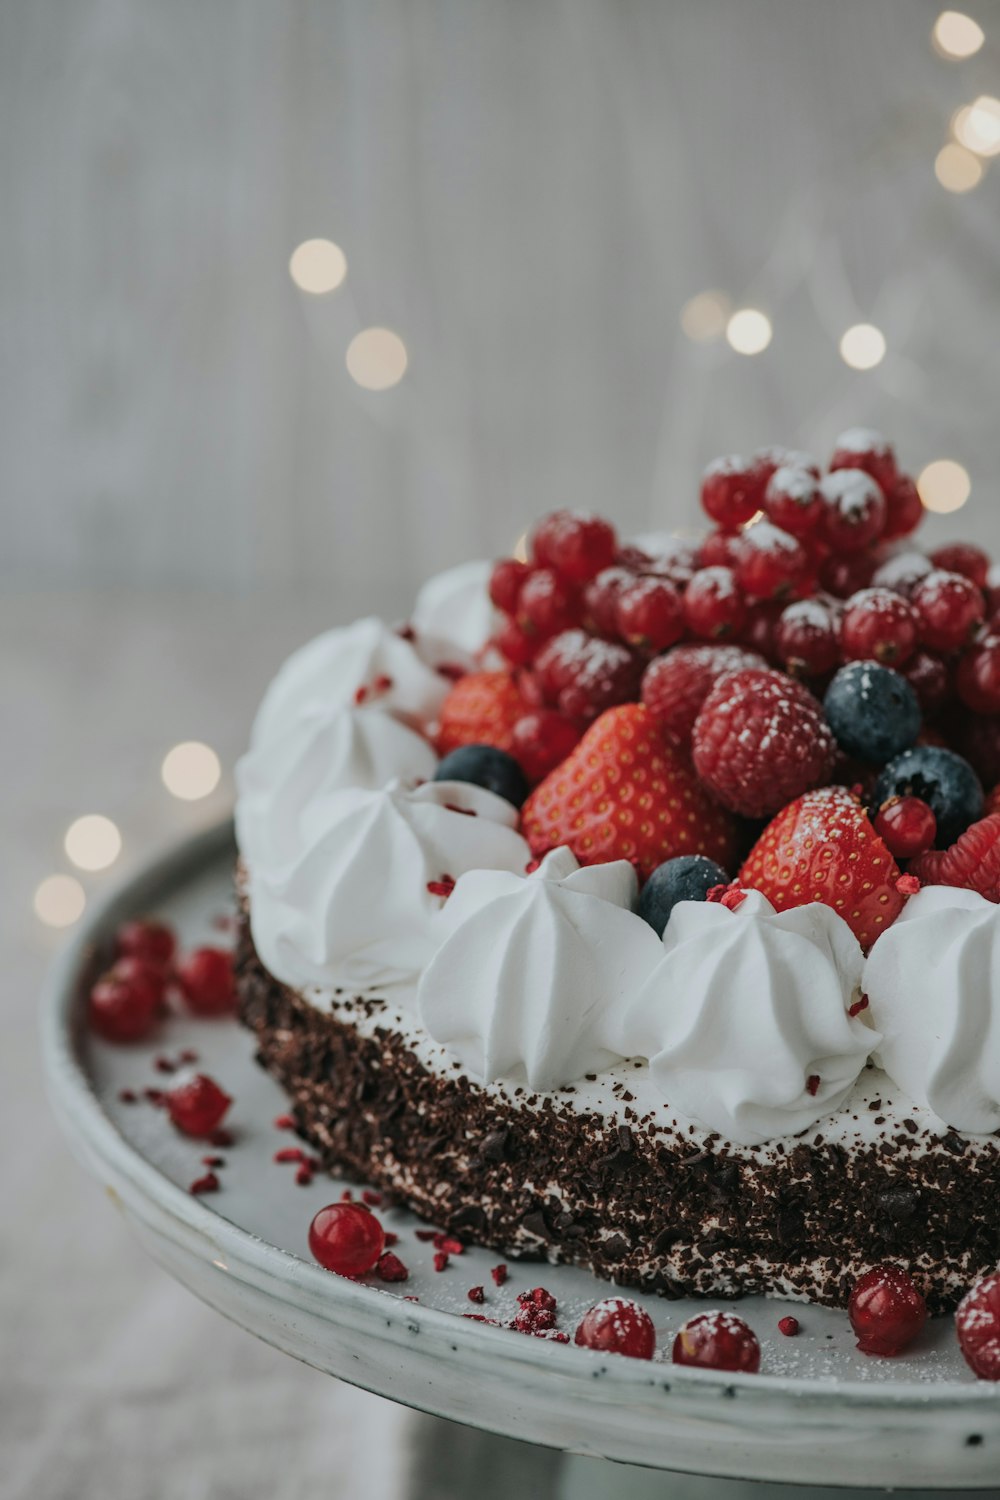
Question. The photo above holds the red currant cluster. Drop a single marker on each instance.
(128, 999)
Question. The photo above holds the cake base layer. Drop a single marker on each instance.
(636, 1201)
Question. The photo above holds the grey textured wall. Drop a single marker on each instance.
(527, 193)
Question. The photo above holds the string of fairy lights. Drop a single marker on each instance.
(376, 359)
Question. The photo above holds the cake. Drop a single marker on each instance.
(635, 904)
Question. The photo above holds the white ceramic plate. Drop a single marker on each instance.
(818, 1413)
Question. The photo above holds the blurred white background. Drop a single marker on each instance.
(528, 197)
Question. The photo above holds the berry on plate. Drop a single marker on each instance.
(206, 982)
(481, 709)
(346, 1238)
(198, 1106)
(824, 848)
(972, 862)
(676, 685)
(485, 765)
(949, 607)
(760, 740)
(575, 546)
(151, 941)
(617, 1326)
(625, 793)
(873, 711)
(689, 877)
(878, 625)
(717, 1341)
(124, 1003)
(977, 1323)
(945, 781)
(886, 1311)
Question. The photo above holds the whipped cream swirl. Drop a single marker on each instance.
(933, 983)
(745, 1019)
(360, 901)
(534, 970)
(453, 617)
(361, 663)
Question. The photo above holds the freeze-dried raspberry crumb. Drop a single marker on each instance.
(426, 1235)
(213, 1161)
(390, 1239)
(859, 1005)
(289, 1153)
(441, 1260)
(907, 885)
(476, 1294)
(128, 1096)
(303, 1175)
(188, 1055)
(221, 1138)
(481, 1318)
(164, 1064)
(347, 1196)
(207, 1184)
(391, 1268)
(442, 887)
(448, 1244)
(499, 1274)
(812, 1084)
(284, 1122)
(373, 1199)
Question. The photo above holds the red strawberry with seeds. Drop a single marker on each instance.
(624, 793)
(481, 709)
(823, 848)
(760, 740)
(972, 862)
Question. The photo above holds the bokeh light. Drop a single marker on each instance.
(704, 316)
(862, 346)
(957, 168)
(956, 35)
(60, 901)
(977, 125)
(376, 359)
(93, 842)
(749, 331)
(944, 486)
(318, 266)
(191, 770)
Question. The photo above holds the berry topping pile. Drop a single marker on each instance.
(671, 700)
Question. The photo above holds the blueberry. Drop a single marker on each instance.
(690, 877)
(484, 765)
(874, 712)
(943, 779)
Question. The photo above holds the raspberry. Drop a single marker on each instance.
(506, 581)
(978, 676)
(617, 1326)
(972, 862)
(948, 607)
(770, 562)
(541, 741)
(962, 557)
(886, 1311)
(547, 604)
(676, 685)
(624, 793)
(806, 638)
(481, 709)
(904, 509)
(731, 491)
(718, 549)
(576, 546)
(206, 982)
(152, 942)
(650, 614)
(717, 1341)
(907, 826)
(862, 448)
(759, 741)
(977, 1323)
(878, 625)
(929, 677)
(124, 1003)
(347, 1239)
(714, 605)
(583, 676)
(197, 1107)
(793, 501)
(855, 510)
(902, 572)
(601, 600)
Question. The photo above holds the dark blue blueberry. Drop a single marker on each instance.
(943, 779)
(689, 877)
(484, 765)
(873, 711)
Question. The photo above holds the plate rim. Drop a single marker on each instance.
(77, 1107)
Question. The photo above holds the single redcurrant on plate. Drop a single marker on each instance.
(886, 1311)
(153, 942)
(977, 1323)
(124, 1003)
(346, 1238)
(206, 981)
(618, 1326)
(717, 1341)
(198, 1106)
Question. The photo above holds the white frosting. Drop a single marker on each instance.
(745, 1008)
(534, 971)
(321, 750)
(352, 905)
(331, 670)
(453, 617)
(933, 983)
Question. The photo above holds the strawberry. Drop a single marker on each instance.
(822, 847)
(624, 793)
(481, 709)
(972, 861)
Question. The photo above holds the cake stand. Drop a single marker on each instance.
(819, 1413)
